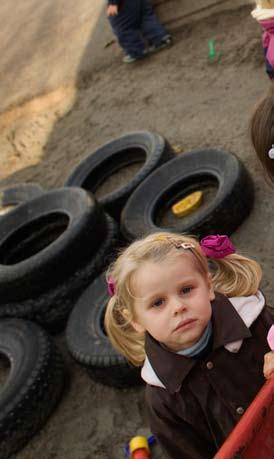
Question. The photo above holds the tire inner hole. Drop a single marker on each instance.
(33, 237)
(5, 368)
(163, 215)
(112, 174)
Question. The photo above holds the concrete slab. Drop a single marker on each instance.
(44, 45)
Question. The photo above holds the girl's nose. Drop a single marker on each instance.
(178, 305)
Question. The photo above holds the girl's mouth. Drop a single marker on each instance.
(185, 324)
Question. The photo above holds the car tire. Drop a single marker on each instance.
(45, 240)
(90, 346)
(34, 384)
(150, 148)
(231, 204)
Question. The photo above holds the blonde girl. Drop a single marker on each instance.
(198, 333)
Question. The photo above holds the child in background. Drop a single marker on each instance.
(264, 14)
(262, 132)
(200, 336)
(136, 26)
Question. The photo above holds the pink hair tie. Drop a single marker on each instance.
(217, 246)
(111, 286)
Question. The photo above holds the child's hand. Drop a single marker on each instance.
(269, 365)
(112, 10)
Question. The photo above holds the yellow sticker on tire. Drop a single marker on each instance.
(188, 204)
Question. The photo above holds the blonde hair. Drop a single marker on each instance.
(234, 275)
(268, 4)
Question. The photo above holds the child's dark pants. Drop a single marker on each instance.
(135, 24)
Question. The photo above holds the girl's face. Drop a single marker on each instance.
(173, 301)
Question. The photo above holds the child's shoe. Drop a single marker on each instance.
(128, 59)
(164, 43)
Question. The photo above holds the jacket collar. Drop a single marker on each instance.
(172, 369)
(228, 325)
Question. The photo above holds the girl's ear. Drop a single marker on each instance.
(211, 288)
(137, 327)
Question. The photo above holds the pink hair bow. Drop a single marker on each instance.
(217, 246)
(111, 286)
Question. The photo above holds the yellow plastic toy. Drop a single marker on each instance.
(188, 204)
(139, 449)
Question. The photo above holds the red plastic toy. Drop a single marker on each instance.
(139, 449)
(253, 436)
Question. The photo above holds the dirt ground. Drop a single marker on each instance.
(194, 104)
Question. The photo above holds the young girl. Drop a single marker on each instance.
(200, 336)
(264, 14)
(262, 132)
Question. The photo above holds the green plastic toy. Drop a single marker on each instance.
(211, 51)
(213, 55)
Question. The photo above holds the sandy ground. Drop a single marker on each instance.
(193, 104)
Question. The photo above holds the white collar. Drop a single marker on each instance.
(248, 308)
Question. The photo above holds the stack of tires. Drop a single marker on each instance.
(51, 247)
(33, 367)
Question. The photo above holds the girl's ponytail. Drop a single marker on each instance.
(123, 337)
(236, 275)
(232, 274)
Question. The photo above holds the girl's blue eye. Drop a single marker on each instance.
(158, 303)
(186, 290)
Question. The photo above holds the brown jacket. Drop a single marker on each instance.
(204, 398)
